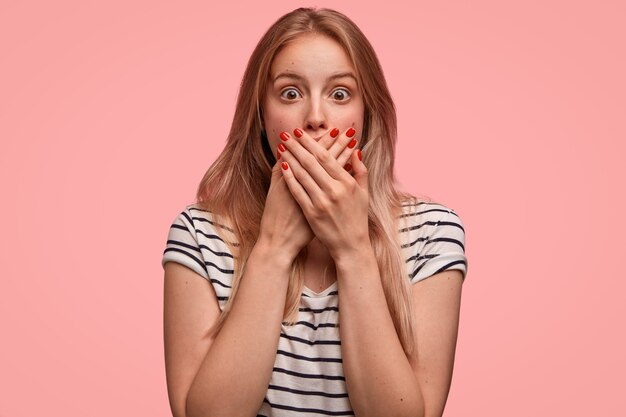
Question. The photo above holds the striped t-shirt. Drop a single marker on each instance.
(308, 378)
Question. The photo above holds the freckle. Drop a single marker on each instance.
(401, 399)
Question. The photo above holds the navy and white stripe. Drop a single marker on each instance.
(307, 377)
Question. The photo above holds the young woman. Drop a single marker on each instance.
(296, 284)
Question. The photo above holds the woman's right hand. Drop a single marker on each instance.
(283, 225)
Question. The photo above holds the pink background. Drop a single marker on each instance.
(511, 113)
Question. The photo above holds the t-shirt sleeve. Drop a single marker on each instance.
(182, 244)
(442, 245)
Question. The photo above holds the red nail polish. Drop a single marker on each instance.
(277, 155)
(348, 166)
(358, 153)
(281, 147)
(350, 132)
(297, 132)
(334, 133)
(284, 136)
(284, 165)
(350, 145)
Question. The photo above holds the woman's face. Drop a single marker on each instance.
(302, 91)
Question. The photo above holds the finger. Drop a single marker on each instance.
(343, 146)
(328, 139)
(338, 146)
(360, 170)
(335, 145)
(295, 188)
(312, 163)
(344, 140)
(319, 162)
(345, 156)
(276, 168)
(301, 175)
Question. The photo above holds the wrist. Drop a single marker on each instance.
(280, 257)
(358, 252)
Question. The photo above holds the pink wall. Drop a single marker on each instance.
(511, 114)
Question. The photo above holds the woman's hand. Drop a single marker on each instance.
(334, 203)
(283, 225)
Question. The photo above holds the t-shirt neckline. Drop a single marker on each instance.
(306, 290)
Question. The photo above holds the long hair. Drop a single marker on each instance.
(234, 188)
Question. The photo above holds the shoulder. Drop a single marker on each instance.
(198, 239)
(420, 216)
(202, 221)
(432, 236)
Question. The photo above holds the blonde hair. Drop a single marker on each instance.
(235, 187)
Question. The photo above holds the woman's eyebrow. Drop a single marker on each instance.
(294, 76)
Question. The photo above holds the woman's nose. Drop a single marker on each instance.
(315, 118)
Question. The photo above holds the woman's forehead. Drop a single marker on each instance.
(311, 56)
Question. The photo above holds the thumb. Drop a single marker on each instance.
(276, 169)
(359, 168)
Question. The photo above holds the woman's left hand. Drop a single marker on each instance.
(334, 202)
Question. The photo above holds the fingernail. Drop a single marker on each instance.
(350, 145)
(284, 136)
(347, 166)
(334, 133)
(281, 147)
(298, 133)
(350, 132)
(358, 153)
(277, 155)
(284, 165)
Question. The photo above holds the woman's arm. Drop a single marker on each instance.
(379, 377)
(380, 381)
(235, 374)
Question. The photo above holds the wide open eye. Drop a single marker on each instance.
(345, 94)
(292, 93)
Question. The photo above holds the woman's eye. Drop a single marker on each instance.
(343, 94)
(293, 94)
